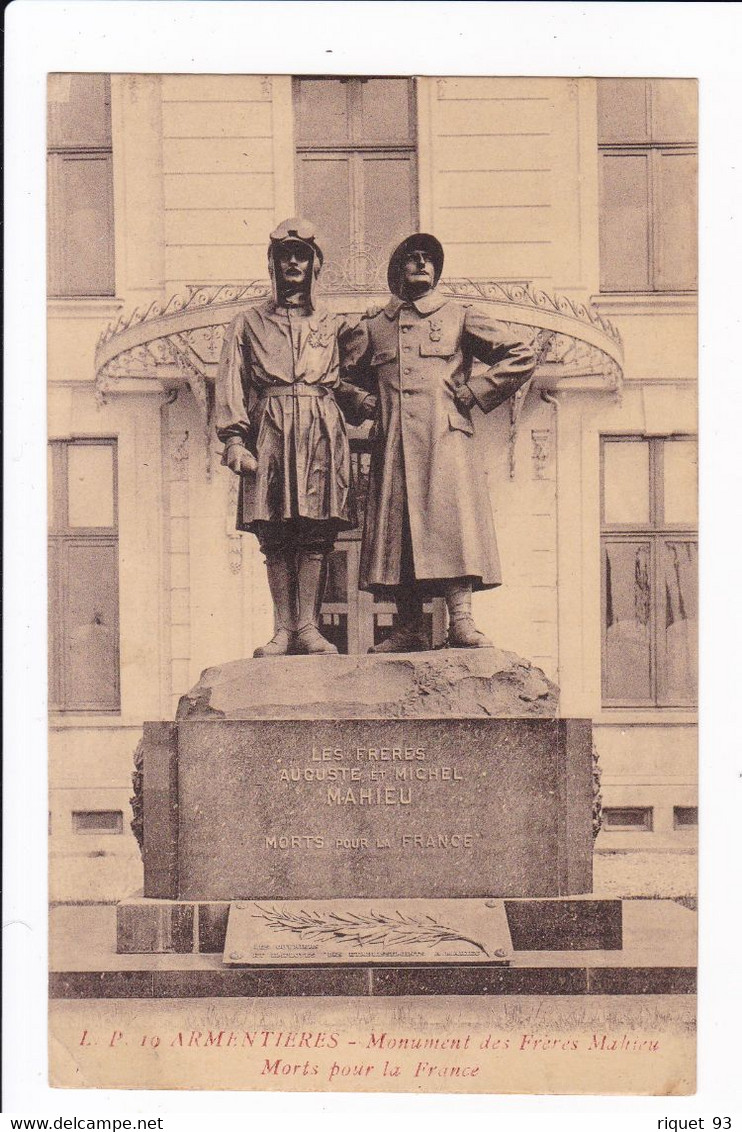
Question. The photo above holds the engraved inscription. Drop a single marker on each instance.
(342, 769)
(388, 777)
(405, 841)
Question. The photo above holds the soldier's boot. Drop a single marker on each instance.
(462, 632)
(311, 579)
(281, 567)
(408, 634)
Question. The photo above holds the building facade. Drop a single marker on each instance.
(566, 205)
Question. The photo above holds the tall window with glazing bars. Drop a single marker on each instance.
(83, 576)
(80, 187)
(647, 134)
(650, 564)
(356, 172)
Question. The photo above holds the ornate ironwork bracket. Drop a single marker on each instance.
(541, 344)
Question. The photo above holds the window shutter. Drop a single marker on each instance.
(79, 111)
(676, 211)
(83, 576)
(80, 224)
(674, 105)
(90, 626)
(80, 253)
(325, 195)
(622, 111)
(624, 230)
(388, 201)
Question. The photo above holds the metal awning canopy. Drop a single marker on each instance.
(178, 342)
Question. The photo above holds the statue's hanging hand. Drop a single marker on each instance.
(238, 459)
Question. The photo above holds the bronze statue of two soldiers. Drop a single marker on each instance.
(291, 374)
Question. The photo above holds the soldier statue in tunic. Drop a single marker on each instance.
(277, 411)
(428, 528)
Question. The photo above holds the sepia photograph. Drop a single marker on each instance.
(368, 747)
(373, 581)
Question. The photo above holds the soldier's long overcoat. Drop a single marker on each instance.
(414, 355)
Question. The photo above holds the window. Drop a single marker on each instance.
(80, 187)
(628, 819)
(647, 132)
(684, 817)
(650, 553)
(83, 576)
(356, 178)
(97, 821)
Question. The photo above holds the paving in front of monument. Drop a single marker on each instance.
(658, 957)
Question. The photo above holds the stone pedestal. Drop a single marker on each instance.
(298, 809)
(438, 776)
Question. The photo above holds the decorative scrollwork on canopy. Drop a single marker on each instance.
(522, 295)
(178, 342)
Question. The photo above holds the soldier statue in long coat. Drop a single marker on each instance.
(277, 413)
(429, 528)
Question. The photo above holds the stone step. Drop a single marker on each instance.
(146, 926)
(658, 958)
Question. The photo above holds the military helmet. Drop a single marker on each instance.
(296, 230)
(419, 241)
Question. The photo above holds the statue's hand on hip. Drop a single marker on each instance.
(239, 460)
(464, 398)
(370, 405)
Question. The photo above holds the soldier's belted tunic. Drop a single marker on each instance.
(414, 354)
(278, 377)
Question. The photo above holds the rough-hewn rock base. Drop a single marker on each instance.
(446, 683)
